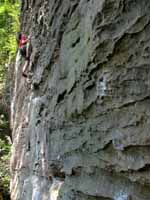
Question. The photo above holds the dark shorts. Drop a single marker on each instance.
(23, 51)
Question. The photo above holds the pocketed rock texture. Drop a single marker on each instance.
(81, 121)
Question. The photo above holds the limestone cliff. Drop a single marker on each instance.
(81, 121)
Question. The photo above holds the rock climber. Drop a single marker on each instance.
(23, 43)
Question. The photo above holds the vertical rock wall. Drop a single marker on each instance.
(81, 121)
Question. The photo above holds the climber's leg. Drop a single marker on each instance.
(25, 68)
(27, 50)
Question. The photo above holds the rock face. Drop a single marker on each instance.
(81, 122)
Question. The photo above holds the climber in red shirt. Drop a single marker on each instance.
(23, 43)
(22, 40)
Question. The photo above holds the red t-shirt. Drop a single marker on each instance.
(22, 41)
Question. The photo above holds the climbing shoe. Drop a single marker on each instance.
(24, 75)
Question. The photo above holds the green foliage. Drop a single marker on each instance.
(4, 149)
(4, 156)
(4, 166)
(9, 26)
